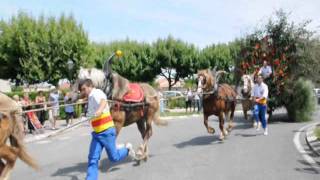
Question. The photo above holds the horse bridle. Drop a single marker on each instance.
(248, 94)
(108, 85)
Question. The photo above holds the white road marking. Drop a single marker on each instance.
(301, 150)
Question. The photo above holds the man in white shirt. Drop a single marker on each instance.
(265, 71)
(260, 95)
(104, 132)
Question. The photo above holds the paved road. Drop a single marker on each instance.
(183, 150)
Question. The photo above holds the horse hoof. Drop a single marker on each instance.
(211, 130)
(225, 133)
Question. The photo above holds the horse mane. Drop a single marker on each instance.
(210, 80)
(120, 84)
(96, 75)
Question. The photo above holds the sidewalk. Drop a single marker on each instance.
(46, 131)
(312, 141)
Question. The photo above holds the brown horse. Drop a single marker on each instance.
(11, 127)
(124, 113)
(218, 99)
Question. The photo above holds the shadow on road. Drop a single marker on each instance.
(307, 169)
(72, 172)
(199, 141)
(77, 170)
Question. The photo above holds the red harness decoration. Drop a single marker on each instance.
(135, 93)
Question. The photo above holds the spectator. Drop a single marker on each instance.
(197, 102)
(26, 103)
(265, 71)
(162, 104)
(69, 109)
(54, 101)
(40, 101)
(189, 98)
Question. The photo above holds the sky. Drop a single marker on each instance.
(201, 22)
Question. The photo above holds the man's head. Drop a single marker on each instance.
(40, 93)
(265, 63)
(85, 87)
(259, 79)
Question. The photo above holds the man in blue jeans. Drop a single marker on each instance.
(104, 133)
(260, 95)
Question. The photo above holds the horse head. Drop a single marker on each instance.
(247, 85)
(208, 80)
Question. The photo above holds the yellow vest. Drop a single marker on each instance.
(103, 122)
(263, 101)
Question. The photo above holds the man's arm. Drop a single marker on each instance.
(102, 106)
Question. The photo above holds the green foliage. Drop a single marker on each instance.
(300, 101)
(176, 103)
(317, 132)
(36, 50)
(286, 48)
(137, 63)
(221, 57)
(175, 59)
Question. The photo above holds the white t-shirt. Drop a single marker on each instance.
(260, 90)
(94, 100)
(265, 71)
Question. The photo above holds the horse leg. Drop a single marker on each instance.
(228, 119)
(209, 128)
(10, 154)
(231, 117)
(221, 126)
(245, 112)
(141, 127)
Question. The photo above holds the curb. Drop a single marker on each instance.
(312, 140)
(191, 115)
(54, 133)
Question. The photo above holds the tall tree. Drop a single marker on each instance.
(137, 63)
(287, 48)
(176, 59)
(38, 49)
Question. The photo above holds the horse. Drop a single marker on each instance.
(11, 127)
(218, 100)
(143, 113)
(247, 102)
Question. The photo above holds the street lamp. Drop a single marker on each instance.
(70, 67)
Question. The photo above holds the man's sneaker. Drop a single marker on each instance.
(265, 132)
(131, 153)
(255, 124)
(258, 126)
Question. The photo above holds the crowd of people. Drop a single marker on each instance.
(43, 108)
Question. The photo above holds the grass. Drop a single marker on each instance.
(317, 132)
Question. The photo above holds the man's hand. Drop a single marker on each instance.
(98, 113)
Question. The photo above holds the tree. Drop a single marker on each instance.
(137, 63)
(36, 50)
(286, 47)
(175, 58)
(218, 56)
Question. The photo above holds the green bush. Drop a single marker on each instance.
(300, 101)
(317, 132)
(176, 103)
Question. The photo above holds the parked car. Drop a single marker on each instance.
(170, 94)
(317, 94)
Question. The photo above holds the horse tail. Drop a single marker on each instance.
(16, 140)
(156, 117)
(22, 153)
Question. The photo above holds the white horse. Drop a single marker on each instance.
(247, 101)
